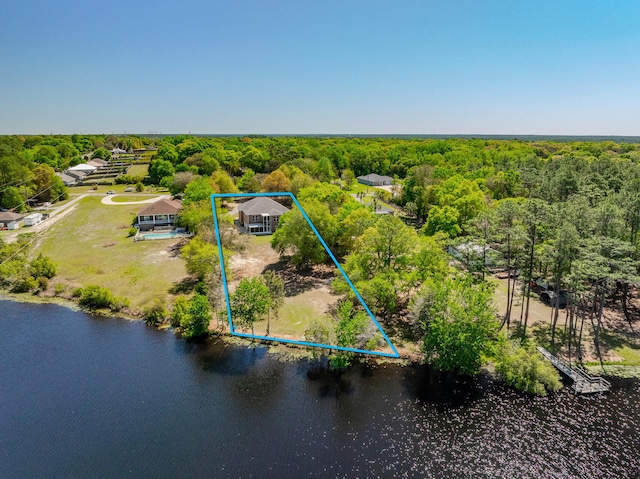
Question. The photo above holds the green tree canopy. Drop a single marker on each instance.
(459, 324)
(250, 302)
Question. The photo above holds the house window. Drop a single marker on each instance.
(161, 217)
(146, 218)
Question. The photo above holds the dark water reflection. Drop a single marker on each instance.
(90, 397)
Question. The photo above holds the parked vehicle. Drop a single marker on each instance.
(111, 192)
(550, 299)
(547, 293)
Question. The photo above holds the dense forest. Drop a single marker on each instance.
(566, 213)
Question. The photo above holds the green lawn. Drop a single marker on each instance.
(90, 246)
(357, 187)
(294, 319)
(138, 170)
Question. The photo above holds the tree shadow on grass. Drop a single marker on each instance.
(610, 340)
(300, 280)
(184, 286)
(175, 249)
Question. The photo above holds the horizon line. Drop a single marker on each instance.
(513, 136)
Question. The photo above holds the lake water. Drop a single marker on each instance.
(82, 396)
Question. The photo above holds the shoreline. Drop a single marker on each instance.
(274, 348)
(286, 352)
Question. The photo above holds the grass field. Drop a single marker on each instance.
(91, 246)
(138, 170)
(297, 315)
(301, 307)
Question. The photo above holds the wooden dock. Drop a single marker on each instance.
(582, 382)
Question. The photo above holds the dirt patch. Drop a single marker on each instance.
(616, 332)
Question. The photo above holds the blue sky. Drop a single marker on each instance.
(294, 67)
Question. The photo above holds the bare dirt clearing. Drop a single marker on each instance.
(619, 338)
(307, 293)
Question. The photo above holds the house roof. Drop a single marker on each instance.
(66, 178)
(161, 207)
(262, 205)
(97, 162)
(78, 174)
(9, 216)
(374, 177)
(83, 167)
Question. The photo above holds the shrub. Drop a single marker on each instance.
(120, 303)
(59, 288)
(155, 313)
(139, 187)
(25, 284)
(96, 297)
(132, 232)
(76, 293)
(43, 283)
(180, 313)
(43, 266)
(129, 179)
(523, 368)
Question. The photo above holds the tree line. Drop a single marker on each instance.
(566, 213)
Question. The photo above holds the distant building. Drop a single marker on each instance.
(261, 215)
(10, 220)
(160, 214)
(66, 179)
(77, 174)
(118, 151)
(373, 179)
(86, 167)
(98, 162)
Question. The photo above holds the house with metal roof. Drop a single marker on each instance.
(77, 174)
(86, 167)
(373, 179)
(161, 214)
(66, 179)
(260, 215)
(97, 162)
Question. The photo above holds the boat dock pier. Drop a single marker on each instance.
(582, 382)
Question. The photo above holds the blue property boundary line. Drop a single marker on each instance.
(214, 196)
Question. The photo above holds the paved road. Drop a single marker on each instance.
(55, 215)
